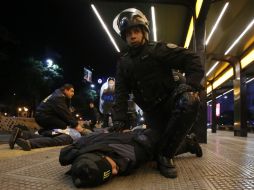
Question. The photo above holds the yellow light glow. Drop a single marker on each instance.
(198, 7)
(208, 89)
(229, 73)
(189, 34)
(247, 59)
(190, 30)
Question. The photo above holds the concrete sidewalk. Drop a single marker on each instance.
(227, 164)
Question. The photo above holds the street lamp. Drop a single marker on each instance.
(19, 111)
(49, 62)
(99, 81)
(25, 109)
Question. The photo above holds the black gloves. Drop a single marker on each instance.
(118, 126)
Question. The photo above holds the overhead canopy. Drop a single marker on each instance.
(173, 20)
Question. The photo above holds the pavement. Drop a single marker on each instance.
(227, 163)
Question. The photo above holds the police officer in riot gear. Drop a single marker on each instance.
(145, 70)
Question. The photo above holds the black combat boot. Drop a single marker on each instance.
(166, 167)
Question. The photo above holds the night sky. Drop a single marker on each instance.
(65, 30)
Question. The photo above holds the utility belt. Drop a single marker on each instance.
(151, 105)
(166, 99)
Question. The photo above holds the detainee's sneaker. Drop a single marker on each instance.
(16, 133)
(24, 144)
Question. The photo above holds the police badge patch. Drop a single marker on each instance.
(171, 46)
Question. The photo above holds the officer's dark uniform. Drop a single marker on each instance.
(147, 73)
(53, 112)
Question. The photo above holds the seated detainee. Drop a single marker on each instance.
(28, 140)
(54, 111)
(97, 157)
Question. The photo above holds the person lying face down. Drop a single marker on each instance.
(92, 169)
(97, 157)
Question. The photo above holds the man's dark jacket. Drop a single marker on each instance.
(56, 104)
(128, 150)
(146, 72)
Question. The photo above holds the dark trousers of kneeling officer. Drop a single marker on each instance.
(173, 119)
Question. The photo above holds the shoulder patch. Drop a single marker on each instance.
(171, 46)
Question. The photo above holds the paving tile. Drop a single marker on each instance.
(227, 163)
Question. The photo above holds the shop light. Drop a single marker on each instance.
(191, 26)
(105, 27)
(154, 24)
(249, 58)
(217, 22)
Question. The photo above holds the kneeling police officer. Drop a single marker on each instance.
(145, 70)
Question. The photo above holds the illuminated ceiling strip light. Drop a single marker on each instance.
(198, 7)
(229, 73)
(218, 96)
(154, 24)
(217, 22)
(212, 68)
(190, 29)
(239, 38)
(235, 42)
(189, 34)
(250, 80)
(249, 58)
(105, 27)
(228, 91)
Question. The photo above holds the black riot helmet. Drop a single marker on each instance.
(129, 18)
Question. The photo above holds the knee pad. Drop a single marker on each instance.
(187, 101)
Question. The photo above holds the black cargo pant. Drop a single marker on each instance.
(39, 141)
(173, 119)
